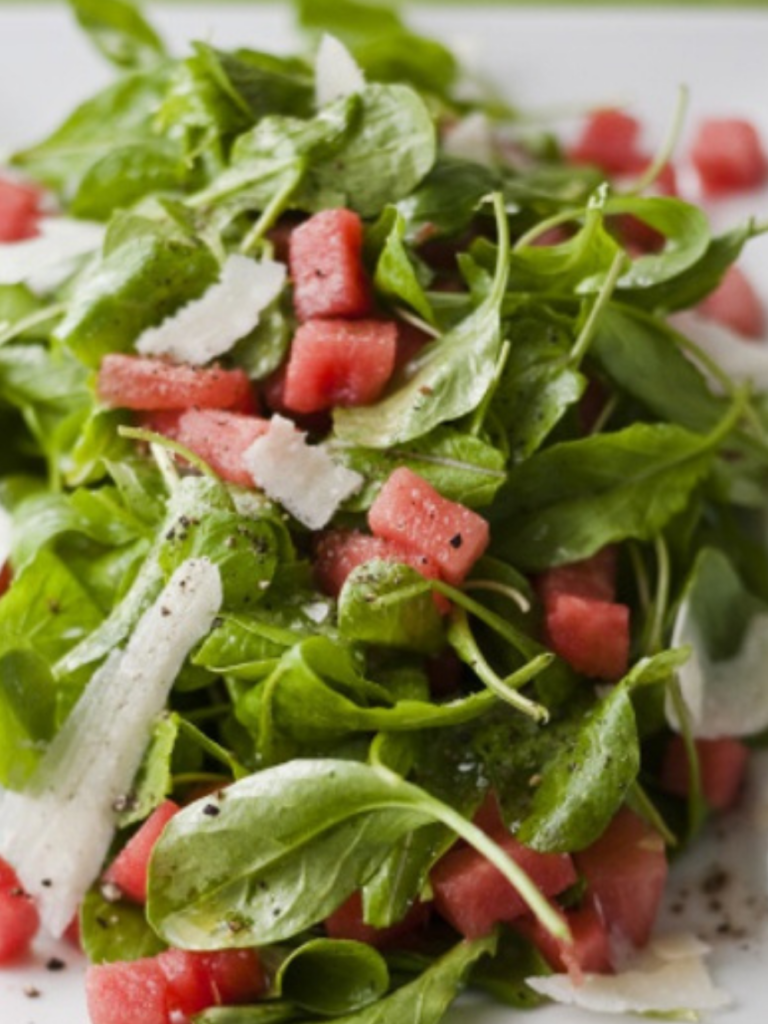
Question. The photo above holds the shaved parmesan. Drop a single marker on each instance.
(57, 833)
(60, 240)
(743, 361)
(336, 72)
(668, 977)
(723, 698)
(302, 478)
(209, 326)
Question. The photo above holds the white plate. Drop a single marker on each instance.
(548, 61)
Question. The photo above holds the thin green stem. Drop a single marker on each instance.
(668, 146)
(641, 578)
(648, 810)
(478, 416)
(695, 815)
(564, 217)
(661, 598)
(495, 587)
(271, 212)
(9, 331)
(584, 340)
(605, 414)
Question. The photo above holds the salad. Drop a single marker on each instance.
(385, 602)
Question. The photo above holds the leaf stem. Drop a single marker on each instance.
(478, 416)
(667, 148)
(584, 340)
(695, 815)
(495, 587)
(530, 236)
(9, 331)
(661, 599)
(648, 810)
(271, 212)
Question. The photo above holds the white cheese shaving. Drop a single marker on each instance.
(5, 536)
(302, 478)
(336, 72)
(744, 361)
(723, 698)
(209, 326)
(57, 833)
(669, 976)
(60, 240)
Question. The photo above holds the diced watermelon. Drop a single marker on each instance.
(127, 993)
(608, 139)
(19, 210)
(473, 896)
(221, 438)
(325, 259)
(347, 923)
(339, 362)
(626, 871)
(5, 577)
(19, 919)
(593, 577)
(129, 870)
(410, 341)
(410, 512)
(736, 304)
(236, 975)
(189, 984)
(133, 382)
(590, 951)
(339, 552)
(728, 155)
(591, 635)
(722, 763)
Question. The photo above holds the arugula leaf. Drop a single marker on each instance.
(117, 116)
(149, 269)
(460, 466)
(115, 931)
(332, 977)
(503, 974)
(447, 199)
(154, 781)
(271, 1012)
(27, 714)
(641, 355)
(292, 843)
(448, 378)
(395, 275)
(120, 32)
(392, 605)
(568, 501)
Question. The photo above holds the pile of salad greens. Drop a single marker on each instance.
(346, 768)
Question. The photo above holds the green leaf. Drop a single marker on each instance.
(148, 271)
(448, 198)
(461, 467)
(154, 779)
(641, 355)
(125, 175)
(119, 31)
(46, 610)
(392, 605)
(117, 116)
(503, 974)
(261, 1013)
(332, 977)
(395, 275)
(289, 845)
(426, 999)
(570, 500)
(27, 714)
(447, 379)
(113, 932)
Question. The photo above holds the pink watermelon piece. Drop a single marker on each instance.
(19, 919)
(736, 304)
(221, 438)
(588, 953)
(144, 384)
(722, 763)
(626, 871)
(19, 210)
(325, 260)
(338, 362)
(130, 868)
(593, 577)
(728, 155)
(412, 514)
(126, 993)
(346, 922)
(591, 635)
(609, 139)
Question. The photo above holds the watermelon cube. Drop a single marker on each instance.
(133, 382)
(626, 871)
(728, 156)
(325, 260)
(221, 438)
(609, 140)
(412, 514)
(338, 362)
(235, 975)
(722, 763)
(473, 896)
(130, 868)
(593, 577)
(736, 304)
(346, 922)
(591, 635)
(189, 988)
(126, 993)
(590, 951)
(19, 210)
(19, 919)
